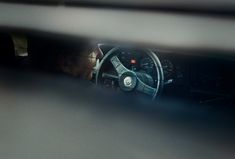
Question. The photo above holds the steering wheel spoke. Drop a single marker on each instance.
(144, 88)
(119, 67)
(108, 75)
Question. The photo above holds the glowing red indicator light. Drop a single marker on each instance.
(133, 61)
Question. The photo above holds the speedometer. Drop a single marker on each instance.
(147, 64)
(168, 67)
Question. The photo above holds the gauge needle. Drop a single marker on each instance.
(144, 64)
(107, 75)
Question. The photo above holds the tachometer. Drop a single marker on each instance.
(147, 64)
(168, 67)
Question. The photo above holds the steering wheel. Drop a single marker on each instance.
(128, 79)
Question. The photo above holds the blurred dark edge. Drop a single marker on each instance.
(50, 109)
(220, 8)
(77, 92)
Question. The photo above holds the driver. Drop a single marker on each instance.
(73, 58)
(78, 63)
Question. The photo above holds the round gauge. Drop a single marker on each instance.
(147, 64)
(168, 67)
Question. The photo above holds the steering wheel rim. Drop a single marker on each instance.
(137, 82)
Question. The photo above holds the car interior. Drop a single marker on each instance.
(129, 79)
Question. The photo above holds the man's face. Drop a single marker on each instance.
(82, 64)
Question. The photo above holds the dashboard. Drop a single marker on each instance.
(196, 78)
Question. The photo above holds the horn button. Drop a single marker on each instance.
(127, 81)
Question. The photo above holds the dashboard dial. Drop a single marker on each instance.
(147, 64)
(168, 67)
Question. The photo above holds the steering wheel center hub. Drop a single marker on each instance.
(127, 81)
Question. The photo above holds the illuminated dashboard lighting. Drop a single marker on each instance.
(133, 61)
